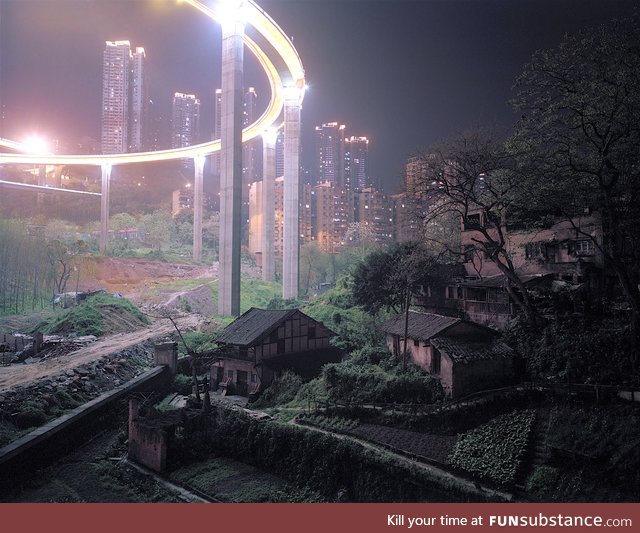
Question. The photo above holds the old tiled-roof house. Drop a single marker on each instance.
(466, 356)
(261, 343)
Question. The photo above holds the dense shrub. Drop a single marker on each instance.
(495, 450)
(30, 415)
(575, 352)
(87, 318)
(360, 384)
(283, 390)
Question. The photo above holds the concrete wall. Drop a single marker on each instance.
(60, 435)
(480, 375)
(147, 446)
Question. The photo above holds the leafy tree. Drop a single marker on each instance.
(156, 227)
(385, 279)
(578, 140)
(121, 221)
(314, 266)
(183, 227)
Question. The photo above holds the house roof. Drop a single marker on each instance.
(463, 351)
(255, 324)
(500, 280)
(249, 327)
(422, 326)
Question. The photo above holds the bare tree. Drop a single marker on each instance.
(472, 178)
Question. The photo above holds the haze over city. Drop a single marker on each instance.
(402, 73)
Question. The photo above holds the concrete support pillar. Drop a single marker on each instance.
(42, 182)
(104, 207)
(268, 204)
(198, 187)
(232, 102)
(291, 241)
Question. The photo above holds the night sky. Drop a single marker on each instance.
(403, 73)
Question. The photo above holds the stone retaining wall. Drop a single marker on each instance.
(58, 436)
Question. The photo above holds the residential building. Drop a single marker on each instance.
(562, 255)
(138, 122)
(357, 163)
(185, 121)
(466, 357)
(115, 96)
(334, 215)
(406, 220)
(374, 211)
(261, 344)
(124, 98)
(330, 146)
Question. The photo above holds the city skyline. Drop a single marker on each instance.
(455, 77)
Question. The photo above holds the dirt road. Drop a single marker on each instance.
(13, 375)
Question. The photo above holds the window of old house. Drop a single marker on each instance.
(473, 221)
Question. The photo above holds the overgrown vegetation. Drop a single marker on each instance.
(336, 468)
(368, 383)
(571, 350)
(495, 450)
(354, 327)
(283, 390)
(27, 276)
(335, 424)
(230, 481)
(88, 318)
(595, 455)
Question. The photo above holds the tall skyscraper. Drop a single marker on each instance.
(139, 102)
(124, 98)
(185, 120)
(115, 97)
(330, 154)
(357, 163)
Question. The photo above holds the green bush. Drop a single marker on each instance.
(495, 450)
(86, 318)
(362, 383)
(571, 351)
(283, 390)
(30, 416)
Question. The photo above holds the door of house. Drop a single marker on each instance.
(241, 383)
(219, 375)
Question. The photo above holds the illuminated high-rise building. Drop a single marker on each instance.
(357, 163)
(330, 154)
(139, 99)
(124, 98)
(115, 97)
(185, 120)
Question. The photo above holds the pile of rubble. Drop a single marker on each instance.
(38, 348)
(77, 385)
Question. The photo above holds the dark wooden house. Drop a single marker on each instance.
(261, 343)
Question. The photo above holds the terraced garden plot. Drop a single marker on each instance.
(437, 447)
(231, 481)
